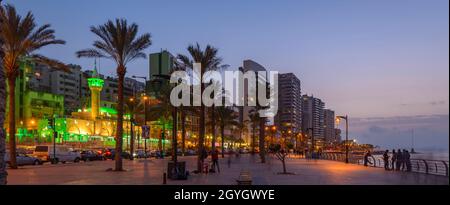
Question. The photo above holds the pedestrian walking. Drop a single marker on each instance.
(407, 161)
(393, 159)
(203, 156)
(386, 160)
(404, 160)
(398, 163)
(366, 159)
(215, 160)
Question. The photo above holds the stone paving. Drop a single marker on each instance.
(150, 171)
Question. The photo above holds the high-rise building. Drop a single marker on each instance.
(66, 84)
(161, 63)
(329, 128)
(244, 111)
(313, 118)
(289, 116)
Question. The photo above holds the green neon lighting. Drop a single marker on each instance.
(107, 110)
(95, 82)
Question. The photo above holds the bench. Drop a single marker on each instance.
(244, 178)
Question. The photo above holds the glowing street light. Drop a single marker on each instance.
(338, 118)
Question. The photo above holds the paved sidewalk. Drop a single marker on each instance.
(150, 171)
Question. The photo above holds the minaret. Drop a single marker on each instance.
(95, 85)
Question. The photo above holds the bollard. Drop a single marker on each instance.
(164, 178)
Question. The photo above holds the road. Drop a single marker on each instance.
(150, 172)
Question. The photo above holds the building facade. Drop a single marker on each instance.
(244, 111)
(289, 116)
(313, 119)
(329, 126)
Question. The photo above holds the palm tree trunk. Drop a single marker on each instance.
(183, 131)
(253, 139)
(262, 134)
(222, 133)
(213, 128)
(174, 135)
(12, 122)
(3, 172)
(119, 132)
(201, 136)
(132, 137)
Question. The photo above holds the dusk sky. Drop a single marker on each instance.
(367, 59)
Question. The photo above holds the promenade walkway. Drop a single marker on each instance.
(150, 171)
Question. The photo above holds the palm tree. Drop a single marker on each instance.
(3, 172)
(21, 38)
(119, 42)
(254, 120)
(209, 61)
(262, 135)
(243, 128)
(226, 117)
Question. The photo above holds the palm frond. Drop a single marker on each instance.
(55, 64)
(89, 53)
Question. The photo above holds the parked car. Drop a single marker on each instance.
(107, 153)
(191, 152)
(140, 154)
(60, 153)
(24, 159)
(243, 151)
(89, 155)
(125, 155)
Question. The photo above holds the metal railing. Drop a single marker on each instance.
(426, 166)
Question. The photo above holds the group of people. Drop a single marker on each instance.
(399, 161)
(214, 159)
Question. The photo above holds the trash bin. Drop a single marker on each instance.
(176, 172)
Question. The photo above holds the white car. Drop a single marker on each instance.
(60, 153)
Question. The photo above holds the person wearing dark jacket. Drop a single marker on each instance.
(407, 159)
(399, 160)
(386, 160)
(366, 158)
(215, 160)
(393, 159)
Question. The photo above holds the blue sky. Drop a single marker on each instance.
(363, 58)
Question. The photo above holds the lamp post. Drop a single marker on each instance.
(346, 135)
(145, 98)
(158, 83)
(145, 110)
(131, 109)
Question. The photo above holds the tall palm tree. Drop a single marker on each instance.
(226, 118)
(21, 39)
(254, 120)
(3, 172)
(119, 42)
(209, 61)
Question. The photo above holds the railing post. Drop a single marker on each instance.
(426, 166)
(446, 168)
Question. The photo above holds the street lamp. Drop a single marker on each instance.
(346, 134)
(145, 111)
(145, 98)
